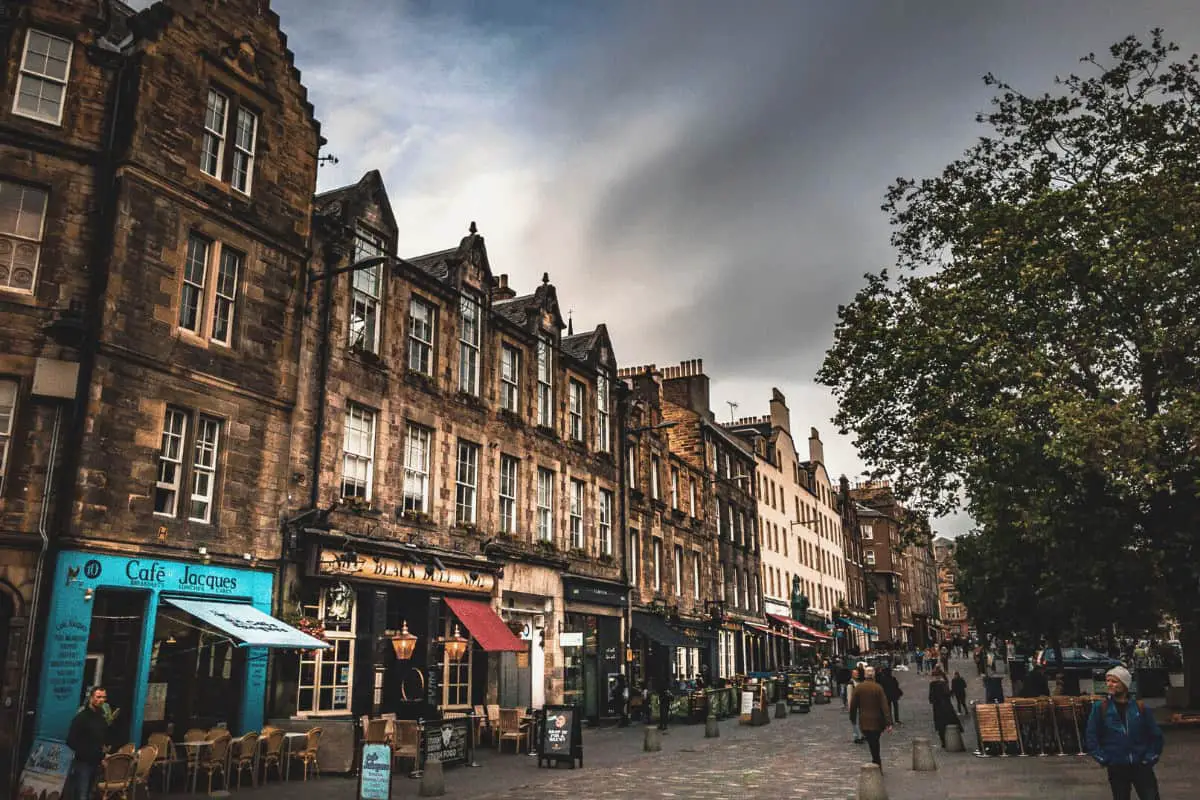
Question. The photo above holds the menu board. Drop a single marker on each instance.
(156, 702)
(446, 741)
(800, 689)
(375, 774)
(561, 736)
(45, 772)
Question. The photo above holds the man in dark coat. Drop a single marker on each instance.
(869, 708)
(958, 688)
(893, 692)
(87, 737)
(943, 708)
(1035, 684)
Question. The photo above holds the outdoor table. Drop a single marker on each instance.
(288, 738)
(198, 747)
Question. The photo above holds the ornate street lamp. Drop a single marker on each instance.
(404, 643)
(456, 646)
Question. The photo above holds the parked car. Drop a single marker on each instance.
(1076, 658)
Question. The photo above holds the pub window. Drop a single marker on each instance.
(606, 512)
(466, 483)
(42, 82)
(456, 675)
(327, 676)
(545, 504)
(416, 468)
(187, 456)
(508, 494)
(8, 412)
(545, 385)
(358, 453)
(22, 218)
(510, 378)
(577, 490)
(366, 294)
(603, 436)
(468, 345)
(421, 317)
(575, 409)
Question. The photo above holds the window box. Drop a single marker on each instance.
(637, 495)
(548, 432)
(421, 381)
(417, 518)
(607, 558)
(468, 399)
(678, 514)
(543, 546)
(510, 418)
(579, 554)
(368, 357)
(360, 507)
(469, 529)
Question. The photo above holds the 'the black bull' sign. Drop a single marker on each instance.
(561, 736)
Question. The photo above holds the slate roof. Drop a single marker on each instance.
(580, 346)
(434, 264)
(517, 309)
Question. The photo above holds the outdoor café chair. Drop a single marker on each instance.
(129, 748)
(167, 758)
(406, 740)
(143, 762)
(376, 731)
(512, 728)
(245, 749)
(218, 751)
(273, 752)
(308, 756)
(116, 776)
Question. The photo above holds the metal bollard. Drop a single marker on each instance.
(433, 780)
(954, 740)
(781, 709)
(922, 756)
(653, 742)
(870, 783)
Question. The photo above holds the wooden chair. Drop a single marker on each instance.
(273, 752)
(116, 776)
(167, 758)
(481, 724)
(142, 765)
(308, 756)
(376, 731)
(493, 719)
(245, 749)
(218, 751)
(511, 728)
(406, 741)
(128, 749)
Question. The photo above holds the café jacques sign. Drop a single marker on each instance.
(394, 570)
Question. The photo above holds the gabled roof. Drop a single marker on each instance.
(544, 299)
(435, 264)
(593, 347)
(368, 189)
(442, 263)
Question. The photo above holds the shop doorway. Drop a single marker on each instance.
(114, 651)
(516, 688)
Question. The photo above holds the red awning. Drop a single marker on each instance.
(807, 631)
(485, 626)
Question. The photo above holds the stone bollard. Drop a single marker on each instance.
(433, 780)
(781, 709)
(711, 729)
(653, 742)
(870, 783)
(954, 740)
(923, 756)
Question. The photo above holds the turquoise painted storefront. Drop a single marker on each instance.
(80, 574)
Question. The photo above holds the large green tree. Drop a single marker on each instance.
(1036, 351)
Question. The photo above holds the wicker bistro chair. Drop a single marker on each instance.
(193, 753)
(512, 729)
(167, 756)
(308, 756)
(272, 751)
(244, 752)
(143, 763)
(116, 776)
(128, 748)
(406, 741)
(218, 752)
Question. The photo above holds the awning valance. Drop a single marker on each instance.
(799, 626)
(244, 622)
(485, 625)
(654, 628)
(859, 627)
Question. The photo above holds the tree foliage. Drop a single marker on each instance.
(1036, 351)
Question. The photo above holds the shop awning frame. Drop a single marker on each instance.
(485, 626)
(859, 626)
(245, 623)
(799, 626)
(655, 628)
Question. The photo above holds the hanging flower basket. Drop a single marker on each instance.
(313, 627)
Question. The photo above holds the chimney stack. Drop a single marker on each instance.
(816, 450)
(500, 290)
(780, 416)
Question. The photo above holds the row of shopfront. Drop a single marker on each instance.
(415, 633)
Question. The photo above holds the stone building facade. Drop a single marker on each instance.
(455, 449)
(156, 178)
(954, 613)
(856, 624)
(922, 582)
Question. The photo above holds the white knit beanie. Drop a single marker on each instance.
(1122, 674)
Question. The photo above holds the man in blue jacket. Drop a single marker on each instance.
(1123, 737)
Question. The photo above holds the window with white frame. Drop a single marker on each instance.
(22, 219)
(631, 466)
(675, 487)
(358, 453)
(577, 490)
(635, 553)
(695, 575)
(176, 469)
(575, 397)
(655, 466)
(510, 378)
(603, 435)
(367, 293)
(327, 675)
(8, 413)
(468, 345)
(692, 497)
(466, 483)
(869, 557)
(605, 522)
(545, 504)
(656, 553)
(245, 131)
(209, 293)
(868, 532)
(678, 571)
(421, 317)
(212, 148)
(42, 80)
(737, 594)
(721, 518)
(732, 515)
(509, 469)
(417, 440)
(545, 384)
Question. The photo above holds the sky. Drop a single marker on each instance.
(705, 178)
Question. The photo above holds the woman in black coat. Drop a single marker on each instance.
(943, 705)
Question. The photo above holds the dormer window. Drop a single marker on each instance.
(545, 384)
(468, 346)
(603, 436)
(365, 308)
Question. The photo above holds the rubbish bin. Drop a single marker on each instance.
(1018, 668)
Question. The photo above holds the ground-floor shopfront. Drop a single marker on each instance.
(593, 645)
(177, 644)
(18, 568)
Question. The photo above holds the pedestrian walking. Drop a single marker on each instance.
(88, 737)
(620, 699)
(945, 657)
(1124, 738)
(958, 688)
(856, 678)
(943, 709)
(843, 682)
(664, 705)
(919, 657)
(891, 688)
(870, 712)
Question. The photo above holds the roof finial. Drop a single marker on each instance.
(570, 322)
(545, 278)
(472, 229)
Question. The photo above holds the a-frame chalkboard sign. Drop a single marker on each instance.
(561, 736)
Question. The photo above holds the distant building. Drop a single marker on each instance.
(954, 613)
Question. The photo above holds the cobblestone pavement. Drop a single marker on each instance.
(802, 756)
